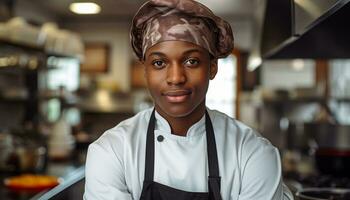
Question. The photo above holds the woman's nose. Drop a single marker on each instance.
(176, 74)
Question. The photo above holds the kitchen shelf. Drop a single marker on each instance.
(304, 100)
(342, 99)
(13, 99)
(14, 95)
(33, 48)
(21, 45)
(10, 69)
(28, 67)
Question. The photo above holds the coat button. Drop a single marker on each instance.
(160, 138)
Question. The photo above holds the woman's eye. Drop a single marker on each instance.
(158, 64)
(192, 62)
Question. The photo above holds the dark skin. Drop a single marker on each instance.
(177, 75)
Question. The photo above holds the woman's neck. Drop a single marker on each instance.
(180, 125)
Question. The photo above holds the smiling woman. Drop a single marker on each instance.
(178, 75)
(180, 149)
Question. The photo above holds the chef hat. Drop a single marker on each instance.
(181, 20)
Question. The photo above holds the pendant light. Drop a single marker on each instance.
(85, 8)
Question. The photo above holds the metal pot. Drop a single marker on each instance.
(323, 194)
(333, 161)
(329, 136)
(332, 155)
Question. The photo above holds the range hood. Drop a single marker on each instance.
(315, 29)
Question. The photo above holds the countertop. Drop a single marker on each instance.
(71, 171)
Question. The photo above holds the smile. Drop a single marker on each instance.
(177, 96)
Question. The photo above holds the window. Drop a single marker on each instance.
(221, 94)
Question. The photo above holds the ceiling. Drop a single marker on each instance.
(119, 10)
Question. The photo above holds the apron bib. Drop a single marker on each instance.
(155, 191)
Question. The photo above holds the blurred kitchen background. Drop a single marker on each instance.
(66, 77)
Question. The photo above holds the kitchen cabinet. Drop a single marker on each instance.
(25, 83)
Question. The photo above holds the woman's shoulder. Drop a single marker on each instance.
(139, 119)
(240, 132)
(230, 124)
(126, 128)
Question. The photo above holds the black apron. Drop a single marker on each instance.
(155, 191)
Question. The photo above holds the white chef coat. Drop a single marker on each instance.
(249, 165)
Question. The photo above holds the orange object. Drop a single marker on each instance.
(31, 182)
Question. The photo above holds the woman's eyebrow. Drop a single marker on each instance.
(156, 54)
(192, 51)
(187, 52)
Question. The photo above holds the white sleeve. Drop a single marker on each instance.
(104, 174)
(261, 172)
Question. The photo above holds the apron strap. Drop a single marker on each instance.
(214, 188)
(149, 162)
(211, 148)
(213, 164)
(214, 177)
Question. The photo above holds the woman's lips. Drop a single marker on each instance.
(177, 96)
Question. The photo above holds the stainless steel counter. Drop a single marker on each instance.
(72, 174)
(74, 178)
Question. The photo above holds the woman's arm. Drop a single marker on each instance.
(261, 172)
(104, 176)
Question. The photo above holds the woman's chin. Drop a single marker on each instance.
(177, 110)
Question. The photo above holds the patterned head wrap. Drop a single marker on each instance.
(182, 20)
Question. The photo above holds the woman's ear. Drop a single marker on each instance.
(213, 68)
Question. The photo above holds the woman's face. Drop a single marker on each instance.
(177, 75)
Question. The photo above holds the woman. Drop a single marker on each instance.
(180, 149)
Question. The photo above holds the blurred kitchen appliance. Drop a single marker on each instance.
(297, 138)
(303, 28)
(318, 186)
(324, 194)
(332, 154)
(328, 143)
(61, 141)
(22, 151)
(6, 150)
